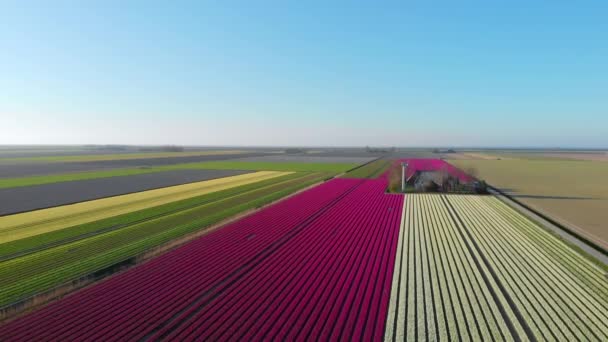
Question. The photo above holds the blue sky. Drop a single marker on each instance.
(406, 73)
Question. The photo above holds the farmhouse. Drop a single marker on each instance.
(432, 181)
(436, 175)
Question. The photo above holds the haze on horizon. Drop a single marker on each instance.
(435, 73)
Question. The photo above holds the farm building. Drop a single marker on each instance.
(435, 175)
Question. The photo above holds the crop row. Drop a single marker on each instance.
(31, 274)
(330, 281)
(70, 233)
(470, 267)
(76, 175)
(20, 226)
(176, 283)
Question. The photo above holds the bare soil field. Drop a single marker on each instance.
(14, 200)
(573, 192)
(579, 156)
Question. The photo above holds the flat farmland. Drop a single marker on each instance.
(573, 192)
(41, 259)
(117, 156)
(45, 166)
(21, 199)
(322, 272)
(471, 268)
(19, 226)
(300, 166)
(308, 158)
(371, 170)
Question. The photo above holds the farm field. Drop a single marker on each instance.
(573, 192)
(120, 156)
(28, 198)
(44, 256)
(23, 225)
(573, 155)
(371, 170)
(307, 158)
(341, 232)
(13, 182)
(471, 268)
(344, 260)
(13, 169)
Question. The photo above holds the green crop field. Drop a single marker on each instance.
(39, 263)
(121, 156)
(267, 166)
(371, 170)
(214, 165)
(471, 268)
(573, 192)
(23, 225)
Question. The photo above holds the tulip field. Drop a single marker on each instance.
(471, 268)
(314, 266)
(344, 260)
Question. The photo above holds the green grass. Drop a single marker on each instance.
(214, 165)
(28, 275)
(371, 170)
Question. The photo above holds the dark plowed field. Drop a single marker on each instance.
(14, 200)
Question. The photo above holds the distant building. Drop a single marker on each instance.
(432, 181)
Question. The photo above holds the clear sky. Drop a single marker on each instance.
(405, 73)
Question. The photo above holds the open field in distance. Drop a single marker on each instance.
(27, 198)
(10, 170)
(215, 165)
(120, 156)
(573, 192)
(307, 158)
(593, 155)
(19, 226)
